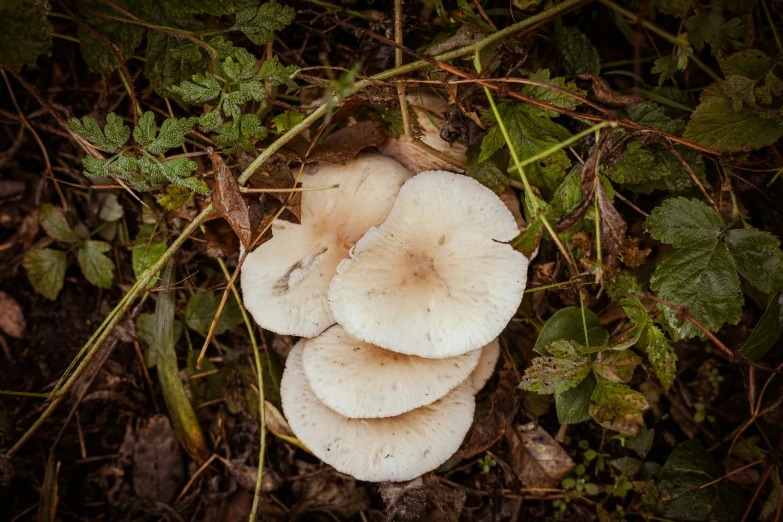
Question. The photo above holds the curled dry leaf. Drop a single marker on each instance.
(405, 501)
(326, 492)
(487, 431)
(538, 459)
(158, 470)
(606, 94)
(11, 316)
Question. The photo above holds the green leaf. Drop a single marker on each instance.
(172, 134)
(618, 407)
(750, 64)
(551, 96)
(123, 36)
(260, 23)
(145, 254)
(716, 124)
(46, 271)
(145, 329)
(573, 406)
(686, 470)
(703, 278)
(564, 370)
(97, 268)
(682, 222)
(645, 168)
(709, 29)
(113, 136)
(578, 54)
(26, 34)
(766, 333)
(528, 241)
(287, 120)
(653, 115)
(175, 197)
(531, 132)
(616, 366)
(566, 324)
(201, 89)
(489, 175)
(277, 74)
(201, 310)
(667, 66)
(758, 257)
(55, 224)
(661, 355)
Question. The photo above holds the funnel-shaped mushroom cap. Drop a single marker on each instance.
(360, 380)
(285, 281)
(486, 365)
(389, 449)
(429, 117)
(438, 278)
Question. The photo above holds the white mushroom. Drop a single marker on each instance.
(285, 281)
(438, 278)
(360, 380)
(429, 111)
(486, 365)
(389, 449)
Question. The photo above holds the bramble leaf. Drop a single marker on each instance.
(26, 34)
(645, 168)
(201, 310)
(558, 99)
(559, 373)
(766, 332)
(653, 115)
(681, 222)
(97, 268)
(618, 407)
(260, 23)
(579, 55)
(669, 65)
(46, 271)
(616, 366)
(758, 257)
(123, 36)
(661, 355)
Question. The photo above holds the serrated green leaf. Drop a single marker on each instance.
(653, 115)
(750, 64)
(202, 88)
(145, 131)
(528, 241)
(661, 355)
(172, 135)
(551, 96)
(277, 74)
(55, 224)
(681, 480)
(766, 332)
(26, 34)
(716, 124)
(709, 28)
(46, 271)
(578, 54)
(113, 136)
(703, 278)
(618, 407)
(531, 132)
(667, 66)
(175, 197)
(645, 168)
(573, 406)
(617, 366)
(210, 121)
(758, 257)
(489, 175)
(562, 371)
(201, 310)
(97, 268)
(145, 254)
(94, 167)
(260, 23)
(287, 120)
(123, 36)
(681, 222)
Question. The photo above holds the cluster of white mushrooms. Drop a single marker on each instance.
(399, 286)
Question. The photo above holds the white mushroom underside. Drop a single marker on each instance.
(285, 281)
(389, 449)
(437, 279)
(360, 380)
(486, 365)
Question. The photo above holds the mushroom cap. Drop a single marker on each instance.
(486, 365)
(361, 381)
(437, 279)
(428, 109)
(285, 281)
(389, 449)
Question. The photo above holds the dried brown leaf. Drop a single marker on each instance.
(538, 459)
(487, 431)
(447, 502)
(405, 501)
(228, 200)
(606, 94)
(221, 242)
(327, 492)
(613, 227)
(11, 316)
(158, 470)
(347, 142)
